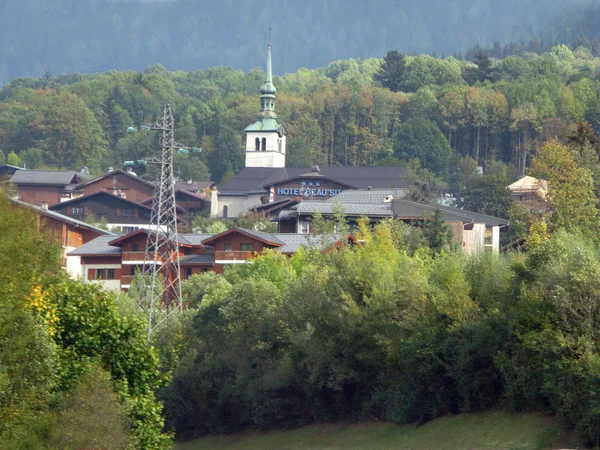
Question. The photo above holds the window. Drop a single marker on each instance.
(77, 210)
(225, 210)
(227, 247)
(257, 144)
(203, 269)
(304, 227)
(110, 274)
(100, 275)
(188, 272)
(247, 247)
(128, 230)
(135, 247)
(126, 212)
(279, 144)
(132, 271)
(101, 216)
(488, 239)
(264, 144)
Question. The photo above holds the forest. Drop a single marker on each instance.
(448, 114)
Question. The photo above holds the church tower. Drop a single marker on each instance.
(265, 139)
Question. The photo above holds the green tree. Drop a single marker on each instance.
(391, 72)
(12, 159)
(33, 158)
(420, 138)
(571, 198)
(436, 232)
(487, 194)
(2, 157)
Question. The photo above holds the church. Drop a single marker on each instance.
(266, 179)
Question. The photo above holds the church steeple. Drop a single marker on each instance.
(267, 92)
(265, 139)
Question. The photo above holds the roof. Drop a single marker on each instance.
(407, 209)
(268, 124)
(65, 219)
(194, 239)
(529, 184)
(98, 194)
(267, 238)
(350, 209)
(253, 180)
(193, 186)
(11, 166)
(51, 177)
(206, 258)
(116, 172)
(372, 196)
(97, 247)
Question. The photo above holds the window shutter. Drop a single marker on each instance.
(119, 212)
(86, 210)
(91, 274)
(135, 212)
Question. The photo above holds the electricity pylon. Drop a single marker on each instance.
(160, 291)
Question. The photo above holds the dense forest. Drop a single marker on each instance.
(95, 36)
(448, 114)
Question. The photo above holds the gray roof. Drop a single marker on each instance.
(269, 237)
(193, 239)
(414, 210)
(206, 258)
(350, 209)
(252, 180)
(53, 177)
(98, 246)
(293, 242)
(373, 196)
(66, 219)
(194, 186)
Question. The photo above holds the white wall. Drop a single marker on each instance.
(107, 284)
(272, 156)
(237, 204)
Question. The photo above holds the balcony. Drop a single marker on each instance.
(134, 258)
(233, 256)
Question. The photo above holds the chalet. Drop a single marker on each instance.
(189, 204)
(201, 188)
(46, 186)
(473, 231)
(119, 213)
(531, 192)
(119, 183)
(71, 233)
(113, 261)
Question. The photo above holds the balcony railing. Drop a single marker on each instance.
(233, 256)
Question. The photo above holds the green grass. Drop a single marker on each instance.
(489, 430)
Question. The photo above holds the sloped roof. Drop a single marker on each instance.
(267, 238)
(372, 196)
(194, 239)
(97, 247)
(253, 180)
(116, 172)
(414, 210)
(65, 219)
(529, 184)
(48, 177)
(99, 194)
(350, 209)
(194, 186)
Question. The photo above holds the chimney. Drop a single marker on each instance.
(214, 202)
(45, 205)
(110, 169)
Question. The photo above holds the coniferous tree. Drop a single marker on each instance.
(391, 71)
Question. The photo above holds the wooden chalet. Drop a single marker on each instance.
(48, 187)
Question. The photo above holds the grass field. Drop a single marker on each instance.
(489, 430)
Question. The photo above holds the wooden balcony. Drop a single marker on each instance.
(127, 279)
(133, 256)
(233, 256)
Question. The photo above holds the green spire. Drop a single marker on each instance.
(267, 92)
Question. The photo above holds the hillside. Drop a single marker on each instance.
(94, 36)
(493, 430)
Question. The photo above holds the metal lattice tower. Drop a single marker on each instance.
(160, 290)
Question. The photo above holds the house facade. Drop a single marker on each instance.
(45, 187)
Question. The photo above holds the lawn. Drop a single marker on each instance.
(489, 430)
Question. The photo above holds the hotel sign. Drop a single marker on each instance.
(321, 189)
